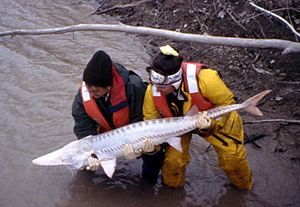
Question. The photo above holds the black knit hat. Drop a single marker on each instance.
(166, 64)
(98, 71)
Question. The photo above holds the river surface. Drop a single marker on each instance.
(39, 76)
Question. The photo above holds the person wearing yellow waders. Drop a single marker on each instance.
(175, 86)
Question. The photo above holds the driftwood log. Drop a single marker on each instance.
(284, 45)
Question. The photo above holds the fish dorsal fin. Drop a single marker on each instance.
(175, 142)
(109, 166)
(193, 111)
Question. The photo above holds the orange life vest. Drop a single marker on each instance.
(190, 71)
(118, 101)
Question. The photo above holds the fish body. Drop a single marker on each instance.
(109, 146)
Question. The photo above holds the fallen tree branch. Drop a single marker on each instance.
(289, 82)
(259, 70)
(285, 45)
(252, 138)
(292, 91)
(273, 10)
(277, 16)
(289, 121)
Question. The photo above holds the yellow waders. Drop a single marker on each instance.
(173, 170)
(236, 167)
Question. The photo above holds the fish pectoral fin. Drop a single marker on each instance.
(109, 166)
(175, 142)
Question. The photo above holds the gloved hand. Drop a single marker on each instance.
(93, 164)
(130, 153)
(203, 121)
(148, 145)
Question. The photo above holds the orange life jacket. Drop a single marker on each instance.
(190, 71)
(118, 101)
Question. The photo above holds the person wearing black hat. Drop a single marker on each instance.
(175, 86)
(109, 97)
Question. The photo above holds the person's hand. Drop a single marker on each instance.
(130, 153)
(203, 121)
(148, 145)
(93, 164)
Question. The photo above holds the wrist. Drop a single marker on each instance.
(208, 131)
(156, 149)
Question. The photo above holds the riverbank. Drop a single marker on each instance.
(246, 71)
(274, 148)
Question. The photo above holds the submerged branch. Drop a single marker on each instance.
(284, 45)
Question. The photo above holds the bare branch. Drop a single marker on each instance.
(259, 70)
(273, 10)
(289, 82)
(291, 91)
(277, 16)
(285, 45)
(290, 121)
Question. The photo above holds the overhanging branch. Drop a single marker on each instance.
(277, 16)
(284, 45)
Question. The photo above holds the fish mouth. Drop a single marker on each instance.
(54, 158)
(47, 162)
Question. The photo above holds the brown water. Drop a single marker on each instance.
(39, 76)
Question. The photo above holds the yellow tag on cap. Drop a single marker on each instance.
(168, 50)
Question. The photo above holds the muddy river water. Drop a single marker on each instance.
(39, 76)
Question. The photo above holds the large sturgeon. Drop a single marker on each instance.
(109, 146)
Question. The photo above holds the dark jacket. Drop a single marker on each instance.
(135, 91)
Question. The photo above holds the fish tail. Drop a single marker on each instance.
(250, 104)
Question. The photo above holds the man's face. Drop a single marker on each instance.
(97, 91)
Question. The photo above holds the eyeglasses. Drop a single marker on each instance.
(162, 80)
